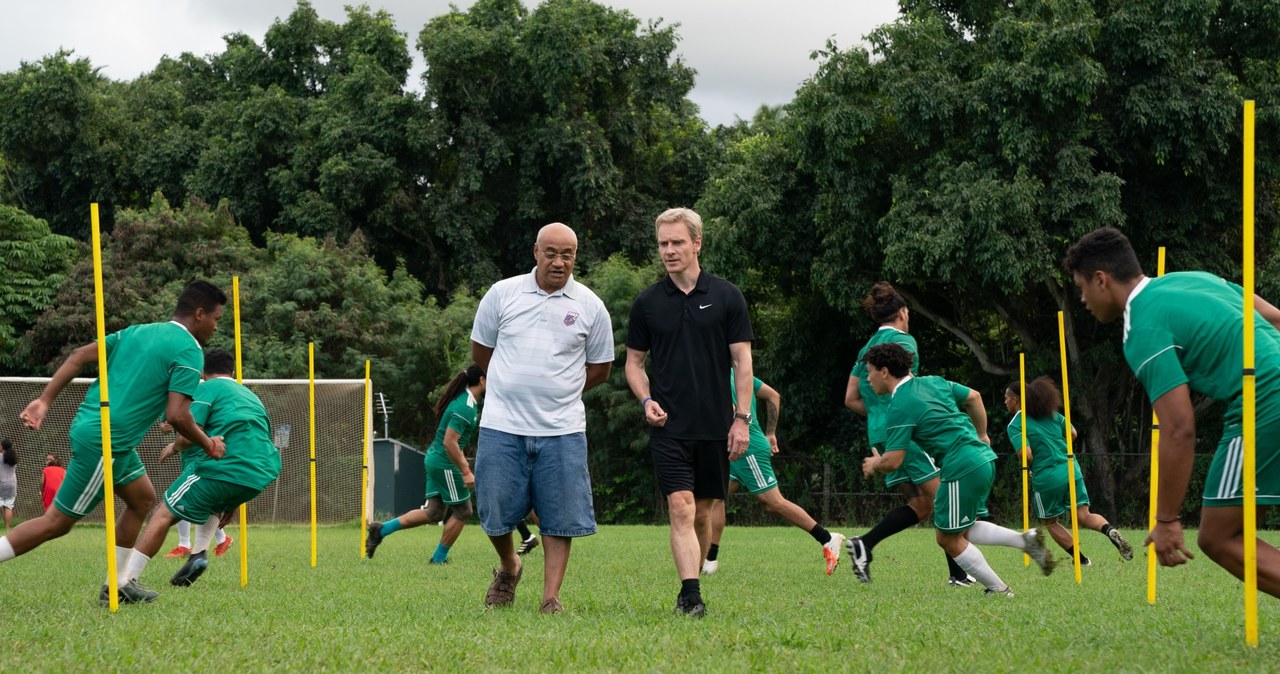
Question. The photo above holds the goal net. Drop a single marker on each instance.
(340, 419)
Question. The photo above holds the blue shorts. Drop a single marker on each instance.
(519, 473)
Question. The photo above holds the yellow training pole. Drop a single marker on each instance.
(1071, 458)
(1249, 394)
(364, 453)
(311, 420)
(1022, 401)
(108, 479)
(1155, 478)
(244, 507)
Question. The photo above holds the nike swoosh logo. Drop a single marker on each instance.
(703, 306)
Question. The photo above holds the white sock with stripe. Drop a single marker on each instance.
(986, 533)
(6, 550)
(972, 561)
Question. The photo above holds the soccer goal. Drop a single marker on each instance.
(340, 419)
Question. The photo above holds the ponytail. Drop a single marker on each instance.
(468, 377)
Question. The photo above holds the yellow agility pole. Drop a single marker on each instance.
(108, 478)
(1022, 401)
(311, 420)
(1249, 394)
(244, 507)
(1155, 476)
(364, 454)
(1071, 458)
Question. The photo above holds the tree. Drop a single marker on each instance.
(36, 262)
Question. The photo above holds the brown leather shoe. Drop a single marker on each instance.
(502, 591)
(552, 605)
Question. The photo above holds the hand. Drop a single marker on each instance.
(739, 439)
(168, 452)
(773, 443)
(469, 480)
(869, 463)
(219, 449)
(986, 439)
(33, 415)
(1170, 548)
(166, 427)
(654, 415)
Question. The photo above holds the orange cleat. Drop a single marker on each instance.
(180, 551)
(221, 548)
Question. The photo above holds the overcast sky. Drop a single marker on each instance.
(746, 52)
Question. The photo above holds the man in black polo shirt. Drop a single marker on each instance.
(697, 327)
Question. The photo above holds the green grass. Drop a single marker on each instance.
(770, 608)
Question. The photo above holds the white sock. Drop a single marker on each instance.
(184, 534)
(986, 533)
(122, 565)
(137, 562)
(6, 550)
(972, 561)
(220, 536)
(204, 534)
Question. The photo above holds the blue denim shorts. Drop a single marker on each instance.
(519, 473)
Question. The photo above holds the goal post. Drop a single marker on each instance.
(341, 416)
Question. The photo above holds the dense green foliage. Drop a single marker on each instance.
(957, 155)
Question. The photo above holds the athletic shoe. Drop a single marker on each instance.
(1006, 592)
(180, 551)
(191, 571)
(691, 606)
(221, 548)
(433, 561)
(961, 582)
(710, 566)
(502, 591)
(1126, 550)
(129, 593)
(527, 545)
(373, 538)
(1035, 547)
(1085, 561)
(859, 558)
(831, 551)
(550, 606)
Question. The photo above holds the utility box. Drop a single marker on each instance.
(399, 478)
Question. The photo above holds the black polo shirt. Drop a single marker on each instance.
(688, 338)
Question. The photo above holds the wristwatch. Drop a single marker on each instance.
(743, 416)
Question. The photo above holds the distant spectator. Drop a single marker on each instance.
(8, 481)
(51, 479)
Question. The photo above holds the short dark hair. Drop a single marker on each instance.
(219, 361)
(889, 356)
(199, 294)
(1104, 249)
(883, 302)
(1043, 398)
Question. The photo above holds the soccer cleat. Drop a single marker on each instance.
(1126, 550)
(550, 606)
(191, 571)
(221, 548)
(129, 593)
(502, 591)
(691, 606)
(831, 551)
(180, 551)
(1085, 561)
(859, 558)
(373, 539)
(1043, 557)
(710, 566)
(1006, 592)
(527, 545)
(961, 582)
(433, 560)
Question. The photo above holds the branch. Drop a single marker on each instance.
(969, 341)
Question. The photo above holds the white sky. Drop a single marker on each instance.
(746, 52)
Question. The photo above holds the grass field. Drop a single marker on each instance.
(770, 608)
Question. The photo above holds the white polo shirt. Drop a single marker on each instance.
(541, 346)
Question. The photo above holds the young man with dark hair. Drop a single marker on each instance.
(153, 370)
(1184, 332)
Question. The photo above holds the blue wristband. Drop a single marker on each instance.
(645, 402)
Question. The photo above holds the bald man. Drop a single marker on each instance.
(543, 339)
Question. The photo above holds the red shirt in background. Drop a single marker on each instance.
(53, 476)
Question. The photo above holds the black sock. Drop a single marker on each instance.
(954, 569)
(713, 552)
(1106, 530)
(523, 528)
(822, 536)
(690, 588)
(1071, 552)
(898, 519)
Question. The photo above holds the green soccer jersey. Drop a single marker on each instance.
(1187, 328)
(1048, 441)
(877, 405)
(924, 410)
(144, 363)
(224, 407)
(460, 415)
(758, 442)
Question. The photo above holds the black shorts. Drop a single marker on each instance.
(699, 466)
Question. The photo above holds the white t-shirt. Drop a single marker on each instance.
(541, 345)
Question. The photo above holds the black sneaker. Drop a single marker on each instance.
(861, 558)
(374, 539)
(191, 571)
(961, 582)
(129, 593)
(1006, 592)
(527, 545)
(690, 605)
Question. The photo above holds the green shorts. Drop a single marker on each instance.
(82, 489)
(917, 468)
(447, 484)
(194, 498)
(1224, 486)
(1052, 495)
(961, 502)
(754, 471)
